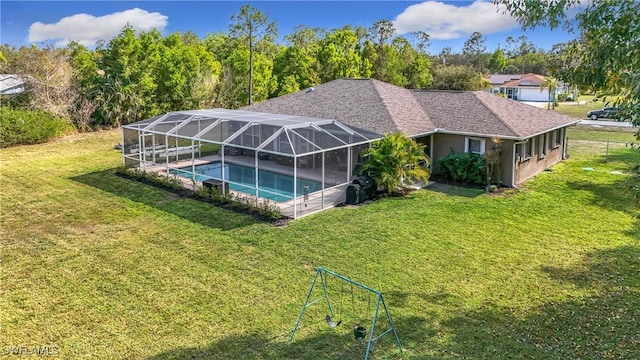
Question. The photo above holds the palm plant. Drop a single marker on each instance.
(552, 84)
(395, 161)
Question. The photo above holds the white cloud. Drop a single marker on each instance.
(87, 29)
(447, 21)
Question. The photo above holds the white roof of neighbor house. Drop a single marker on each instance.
(286, 134)
(11, 84)
(499, 79)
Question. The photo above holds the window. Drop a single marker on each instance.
(547, 142)
(557, 138)
(474, 145)
(528, 148)
(524, 151)
(542, 146)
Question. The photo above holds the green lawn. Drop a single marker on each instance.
(599, 135)
(578, 111)
(104, 267)
(584, 104)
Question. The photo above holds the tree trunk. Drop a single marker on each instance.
(250, 67)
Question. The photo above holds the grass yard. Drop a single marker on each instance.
(100, 266)
(584, 104)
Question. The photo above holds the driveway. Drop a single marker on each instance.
(538, 104)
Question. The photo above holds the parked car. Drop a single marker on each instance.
(607, 113)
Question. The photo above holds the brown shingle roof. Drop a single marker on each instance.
(364, 103)
(355, 102)
(405, 111)
(462, 111)
(525, 120)
(381, 107)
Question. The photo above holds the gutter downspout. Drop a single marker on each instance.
(513, 162)
(565, 142)
(431, 153)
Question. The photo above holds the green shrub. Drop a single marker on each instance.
(263, 209)
(19, 127)
(466, 168)
(562, 96)
(209, 149)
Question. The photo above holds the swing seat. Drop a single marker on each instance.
(331, 323)
(359, 332)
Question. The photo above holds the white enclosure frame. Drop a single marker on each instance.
(302, 164)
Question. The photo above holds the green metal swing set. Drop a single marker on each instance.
(359, 332)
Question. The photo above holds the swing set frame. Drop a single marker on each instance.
(322, 273)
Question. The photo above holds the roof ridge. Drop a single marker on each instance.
(475, 94)
(384, 103)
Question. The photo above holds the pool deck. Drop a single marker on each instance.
(317, 201)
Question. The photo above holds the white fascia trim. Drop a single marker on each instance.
(555, 128)
(515, 138)
(444, 131)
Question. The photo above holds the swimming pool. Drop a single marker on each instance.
(271, 185)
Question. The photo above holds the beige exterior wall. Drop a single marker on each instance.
(526, 169)
(506, 162)
(513, 170)
(442, 145)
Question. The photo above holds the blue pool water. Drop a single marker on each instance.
(273, 186)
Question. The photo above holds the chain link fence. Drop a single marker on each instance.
(601, 149)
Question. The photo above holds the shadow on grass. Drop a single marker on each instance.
(619, 267)
(195, 211)
(597, 327)
(627, 155)
(594, 327)
(635, 231)
(611, 196)
(323, 344)
(453, 190)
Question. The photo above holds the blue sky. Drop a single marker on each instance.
(450, 23)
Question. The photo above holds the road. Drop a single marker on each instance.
(598, 123)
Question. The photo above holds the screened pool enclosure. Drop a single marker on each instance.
(301, 164)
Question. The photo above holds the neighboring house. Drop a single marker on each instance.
(11, 84)
(532, 139)
(520, 87)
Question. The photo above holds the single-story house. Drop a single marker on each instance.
(531, 139)
(298, 151)
(521, 87)
(12, 84)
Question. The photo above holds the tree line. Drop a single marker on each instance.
(140, 75)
